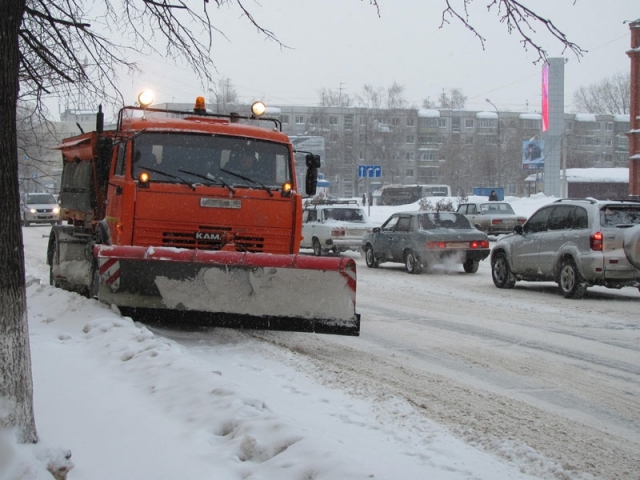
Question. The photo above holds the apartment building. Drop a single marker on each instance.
(460, 148)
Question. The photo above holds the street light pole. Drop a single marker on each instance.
(499, 143)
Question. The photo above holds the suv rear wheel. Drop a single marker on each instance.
(570, 281)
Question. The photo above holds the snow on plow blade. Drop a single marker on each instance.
(232, 289)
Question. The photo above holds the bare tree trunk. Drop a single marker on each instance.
(16, 384)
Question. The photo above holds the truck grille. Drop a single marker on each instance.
(213, 239)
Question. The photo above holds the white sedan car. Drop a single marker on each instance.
(334, 226)
(493, 218)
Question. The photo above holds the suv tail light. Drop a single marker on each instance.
(595, 241)
(338, 232)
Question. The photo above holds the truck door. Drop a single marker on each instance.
(115, 190)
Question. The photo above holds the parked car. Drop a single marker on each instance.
(40, 208)
(334, 226)
(421, 239)
(576, 243)
(494, 218)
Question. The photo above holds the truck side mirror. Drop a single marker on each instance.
(311, 181)
(313, 161)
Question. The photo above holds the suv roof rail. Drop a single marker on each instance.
(588, 199)
(616, 200)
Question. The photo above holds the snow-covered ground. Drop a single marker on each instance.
(132, 403)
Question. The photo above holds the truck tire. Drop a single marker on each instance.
(95, 281)
(53, 259)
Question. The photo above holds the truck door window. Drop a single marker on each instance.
(119, 167)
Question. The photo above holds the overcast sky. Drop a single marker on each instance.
(344, 44)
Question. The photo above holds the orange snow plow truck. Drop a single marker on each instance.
(193, 215)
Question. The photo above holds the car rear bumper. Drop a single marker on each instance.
(344, 243)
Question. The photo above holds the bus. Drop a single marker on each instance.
(406, 194)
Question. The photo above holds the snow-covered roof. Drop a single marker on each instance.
(530, 116)
(592, 175)
(273, 111)
(493, 115)
(585, 117)
(621, 117)
(428, 112)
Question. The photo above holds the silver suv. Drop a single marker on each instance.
(577, 243)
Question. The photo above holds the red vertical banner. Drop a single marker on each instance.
(545, 97)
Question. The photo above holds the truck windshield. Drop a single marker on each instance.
(196, 156)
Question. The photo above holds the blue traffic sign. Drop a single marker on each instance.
(369, 171)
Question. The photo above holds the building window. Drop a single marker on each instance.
(395, 121)
(430, 122)
(409, 172)
(299, 119)
(411, 139)
(609, 126)
(455, 124)
(430, 138)
(530, 124)
(468, 123)
(487, 123)
(411, 122)
(442, 122)
(429, 156)
(285, 119)
(409, 156)
(333, 120)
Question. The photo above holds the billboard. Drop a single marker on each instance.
(532, 154)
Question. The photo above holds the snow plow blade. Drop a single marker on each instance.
(231, 289)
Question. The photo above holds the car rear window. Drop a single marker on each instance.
(437, 220)
(344, 214)
(496, 209)
(613, 215)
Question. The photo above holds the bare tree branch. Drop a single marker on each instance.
(517, 18)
